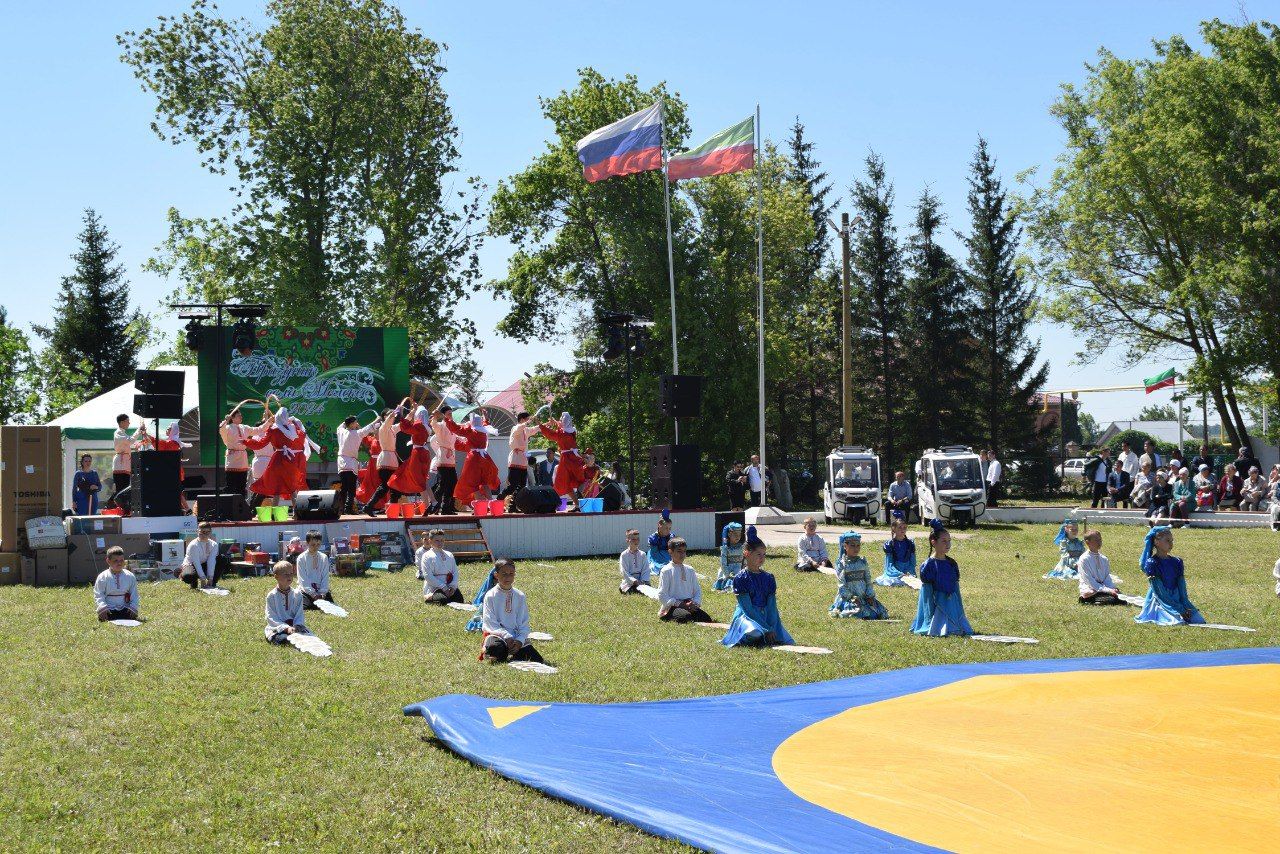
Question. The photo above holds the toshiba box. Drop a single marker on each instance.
(30, 480)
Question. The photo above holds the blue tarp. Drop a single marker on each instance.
(701, 770)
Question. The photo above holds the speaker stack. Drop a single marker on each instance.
(675, 471)
(158, 394)
(680, 396)
(154, 488)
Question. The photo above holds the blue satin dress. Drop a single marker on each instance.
(658, 554)
(757, 611)
(899, 560)
(940, 611)
(730, 564)
(1070, 552)
(1167, 598)
(856, 596)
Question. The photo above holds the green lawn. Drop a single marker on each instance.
(191, 733)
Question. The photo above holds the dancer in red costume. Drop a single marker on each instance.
(171, 442)
(286, 472)
(369, 481)
(259, 442)
(479, 478)
(388, 461)
(569, 476)
(412, 476)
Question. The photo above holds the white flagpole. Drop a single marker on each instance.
(671, 267)
(764, 486)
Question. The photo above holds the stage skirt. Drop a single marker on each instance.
(412, 475)
(368, 484)
(569, 474)
(940, 614)
(285, 476)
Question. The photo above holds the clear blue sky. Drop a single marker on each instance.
(917, 82)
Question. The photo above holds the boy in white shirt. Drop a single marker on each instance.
(200, 566)
(284, 606)
(679, 592)
(1097, 587)
(505, 619)
(350, 434)
(811, 550)
(1276, 573)
(438, 571)
(115, 591)
(633, 564)
(313, 572)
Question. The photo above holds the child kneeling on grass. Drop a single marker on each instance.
(731, 552)
(659, 541)
(1097, 587)
(313, 572)
(899, 554)
(940, 610)
(284, 606)
(1070, 548)
(678, 588)
(633, 564)
(115, 591)
(1167, 603)
(505, 619)
(855, 594)
(755, 620)
(438, 571)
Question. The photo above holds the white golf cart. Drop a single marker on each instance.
(950, 487)
(852, 490)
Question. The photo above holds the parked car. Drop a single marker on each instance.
(1072, 469)
(852, 490)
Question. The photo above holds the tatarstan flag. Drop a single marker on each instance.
(731, 150)
(1163, 380)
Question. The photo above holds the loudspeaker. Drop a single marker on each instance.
(680, 396)
(157, 405)
(675, 475)
(537, 499)
(317, 505)
(159, 382)
(611, 492)
(211, 507)
(154, 489)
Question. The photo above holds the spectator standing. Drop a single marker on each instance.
(995, 478)
(1129, 460)
(757, 480)
(546, 471)
(1150, 456)
(735, 483)
(1204, 458)
(1096, 472)
(1245, 460)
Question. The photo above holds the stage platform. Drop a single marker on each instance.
(516, 536)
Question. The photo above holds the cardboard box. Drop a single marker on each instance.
(30, 479)
(94, 524)
(49, 568)
(10, 568)
(46, 532)
(171, 552)
(88, 553)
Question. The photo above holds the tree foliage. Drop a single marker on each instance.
(18, 398)
(333, 124)
(93, 343)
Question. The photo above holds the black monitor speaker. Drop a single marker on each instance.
(154, 488)
(317, 505)
(675, 475)
(158, 405)
(211, 507)
(159, 382)
(611, 492)
(536, 499)
(680, 396)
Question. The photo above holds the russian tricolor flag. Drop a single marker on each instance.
(627, 146)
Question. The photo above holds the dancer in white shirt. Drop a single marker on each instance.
(633, 564)
(1097, 587)
(350, 435)
(285, 613)
(200, 566)
(517, 459)
(679, 592)
(313, 572)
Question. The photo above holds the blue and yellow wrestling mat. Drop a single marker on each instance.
(1121, 753)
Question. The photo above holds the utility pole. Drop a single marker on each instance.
(846, 324)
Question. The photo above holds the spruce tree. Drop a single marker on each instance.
(94, 337)
(1005, 373)
(877, 279)
(936, 319)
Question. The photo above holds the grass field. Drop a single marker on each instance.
(192, 733)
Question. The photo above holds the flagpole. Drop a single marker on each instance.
(764, 485)
(671, 266)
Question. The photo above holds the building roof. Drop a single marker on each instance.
(1161, 431)
(510, 398)
(96, 418)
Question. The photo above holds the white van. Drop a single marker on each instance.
(852, 490)
(950, 487)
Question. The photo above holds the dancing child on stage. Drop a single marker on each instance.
(755, 621)
(388, 461)
(115, 590)
(855, 595)
(1070, 548)
(412, 475)
(478, 480)
(633, 565)
(569, 476)
(732, 550)
(899, 554)
(505, 619)
(940, 610)
(350, 437)
(446, 446)
(1167, 603)
(517, 458)
(679, 592)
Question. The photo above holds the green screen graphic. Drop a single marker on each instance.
(321, 374)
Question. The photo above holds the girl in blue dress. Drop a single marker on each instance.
(899, 554)
(659, 556)
(856, 595)
(1167, 603)
(474, 624)
(1070, 548)
(940, 611)
(755, 620)
(731, 550)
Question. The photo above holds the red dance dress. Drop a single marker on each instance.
(411, 477)
(368, 482)
(569, 471)
(286, 473)
(478, 470)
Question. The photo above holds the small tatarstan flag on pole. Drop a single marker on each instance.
(1163, 380)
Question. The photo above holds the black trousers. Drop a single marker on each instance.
(755, 499)
(191, 577)
(237, 482)
(517, 479)
(1101, 599)
(120, 614)
(442, 598)
(1099, 493)
(383, 475)
(448, 480)
(687, 615)
(1121, 498)
(496, 648)
(994, 491)
(121, 481)
(309, 599)
(347, 494)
